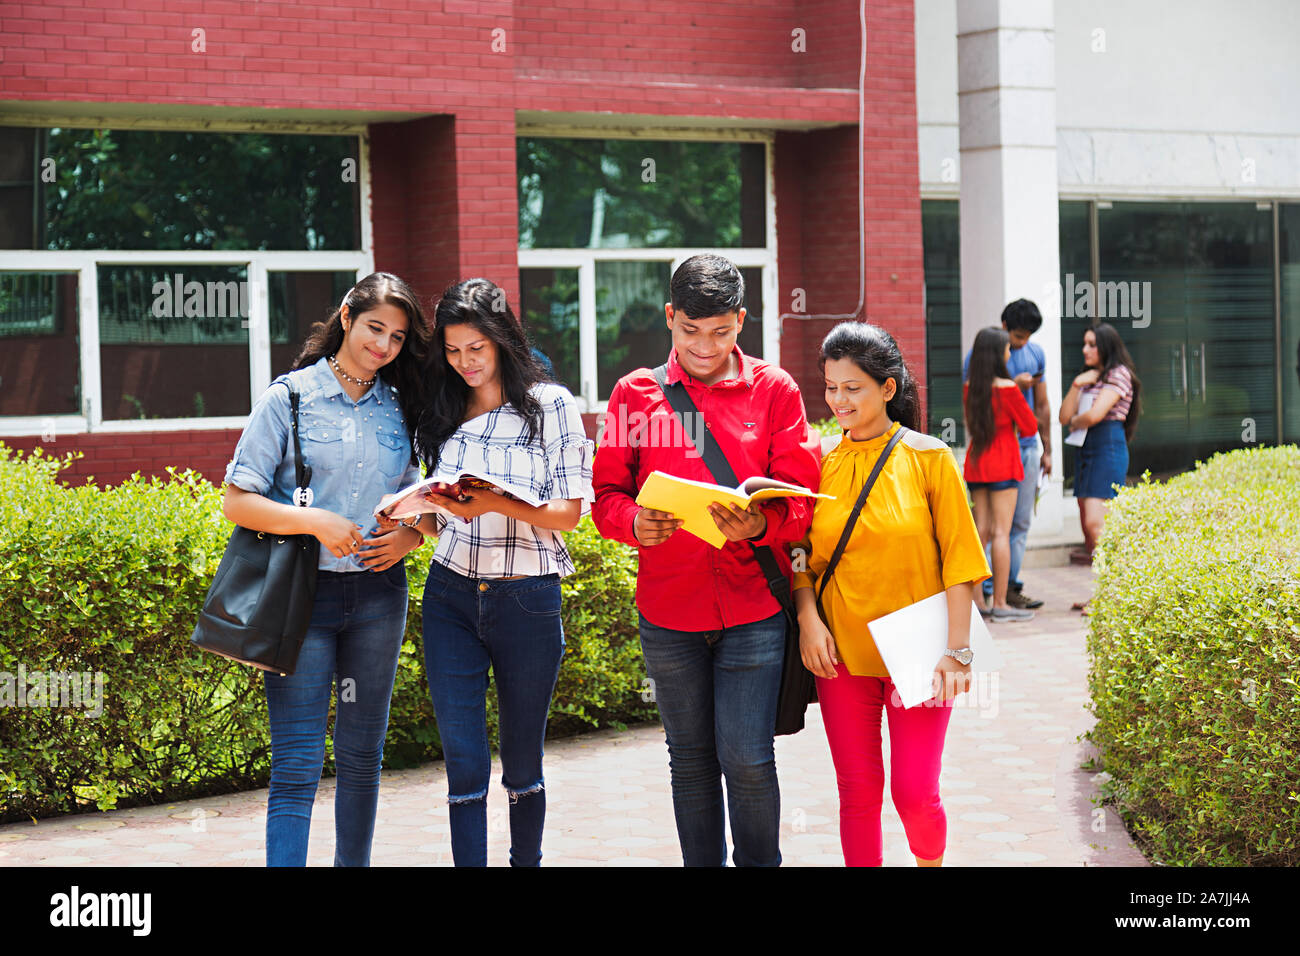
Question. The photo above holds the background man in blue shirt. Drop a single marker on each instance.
(1027, 364)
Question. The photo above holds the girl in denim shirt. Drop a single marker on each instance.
(360, 378)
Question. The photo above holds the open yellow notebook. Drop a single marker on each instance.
(690, 500)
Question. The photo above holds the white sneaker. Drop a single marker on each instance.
(1011, 614)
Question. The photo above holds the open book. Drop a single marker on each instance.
(690, 500)
(413, 500)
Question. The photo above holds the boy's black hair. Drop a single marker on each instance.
(1022, 314)
(707, 285)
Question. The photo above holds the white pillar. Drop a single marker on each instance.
(1006, 95)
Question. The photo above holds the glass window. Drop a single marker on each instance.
(550, 317)
(1289, 241)
(631, 328)
(40, 359)
(750, 339)
(1074, 230)
(1189, 287)
(941, 242)
(142, 189)
(612, 194)
(297, 301)
(18, 170)
(173, 341)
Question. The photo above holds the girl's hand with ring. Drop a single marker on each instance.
(336, 533)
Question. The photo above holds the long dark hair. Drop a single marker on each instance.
(482, 304)
(1112, 353)
(874, 350)
(986, 364)
(407, 372)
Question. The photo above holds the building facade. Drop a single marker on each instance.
(185, 188)
(188, 187)
(1147, 175)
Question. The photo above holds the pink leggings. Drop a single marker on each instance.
(851, 712)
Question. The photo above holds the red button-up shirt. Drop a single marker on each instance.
(757, 418)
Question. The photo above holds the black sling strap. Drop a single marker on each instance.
(857, 510)
(722, 472)
(302, 471)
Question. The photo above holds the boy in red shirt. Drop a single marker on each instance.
(712, 633)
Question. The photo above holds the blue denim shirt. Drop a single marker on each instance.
(358, 451)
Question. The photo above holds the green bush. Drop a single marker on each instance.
(1195, 639)
(827, 427)
(110, 581)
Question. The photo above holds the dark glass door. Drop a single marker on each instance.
(1189, 288)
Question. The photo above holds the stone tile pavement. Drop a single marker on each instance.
(1010, 784)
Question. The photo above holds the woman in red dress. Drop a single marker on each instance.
(995, 411)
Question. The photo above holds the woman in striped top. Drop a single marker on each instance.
(1113, 387)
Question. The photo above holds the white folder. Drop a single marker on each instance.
(912, 639)
(1077, 436)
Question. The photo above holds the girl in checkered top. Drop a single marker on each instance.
(492, 600)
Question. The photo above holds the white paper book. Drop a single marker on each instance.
(1077, 436)
(912, 639)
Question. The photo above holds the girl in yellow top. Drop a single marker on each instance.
(914, 538)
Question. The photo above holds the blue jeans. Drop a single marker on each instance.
(1030, 459)
(512, 627)
(717, 695)
(355, 633)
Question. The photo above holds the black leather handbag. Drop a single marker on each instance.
(798, 689)
(260, 602)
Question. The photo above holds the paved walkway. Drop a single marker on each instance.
(1010, 783)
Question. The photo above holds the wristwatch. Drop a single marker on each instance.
(963, 655)
(413, 523)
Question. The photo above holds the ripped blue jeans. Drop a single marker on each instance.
(512, 627)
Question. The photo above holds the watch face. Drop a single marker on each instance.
(964, 656)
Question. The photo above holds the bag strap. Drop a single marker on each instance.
(301, 470)
(857, 510)
(716, 461)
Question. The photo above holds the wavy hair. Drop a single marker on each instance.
(986, 365)
(482, 304)
(1112, 353)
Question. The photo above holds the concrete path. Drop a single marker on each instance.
(1010, 784)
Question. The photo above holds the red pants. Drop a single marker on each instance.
(851, 712)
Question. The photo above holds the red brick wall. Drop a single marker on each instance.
(443, 184)
(817, 212)
(111, 457)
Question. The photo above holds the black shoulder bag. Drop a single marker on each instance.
(260, 602)
(797, 687)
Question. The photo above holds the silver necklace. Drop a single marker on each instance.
(346, 377)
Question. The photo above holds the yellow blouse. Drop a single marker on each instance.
(915, 537)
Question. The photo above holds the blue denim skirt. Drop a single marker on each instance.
(1102, 461)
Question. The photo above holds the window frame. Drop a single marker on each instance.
(85, 263)
(584, 259)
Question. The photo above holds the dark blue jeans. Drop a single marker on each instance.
(512, 627)
(355, 634)
(717, 694)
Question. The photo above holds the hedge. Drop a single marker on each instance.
(1195, 638)
(109, 582)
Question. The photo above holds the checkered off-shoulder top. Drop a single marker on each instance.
(554, 466)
